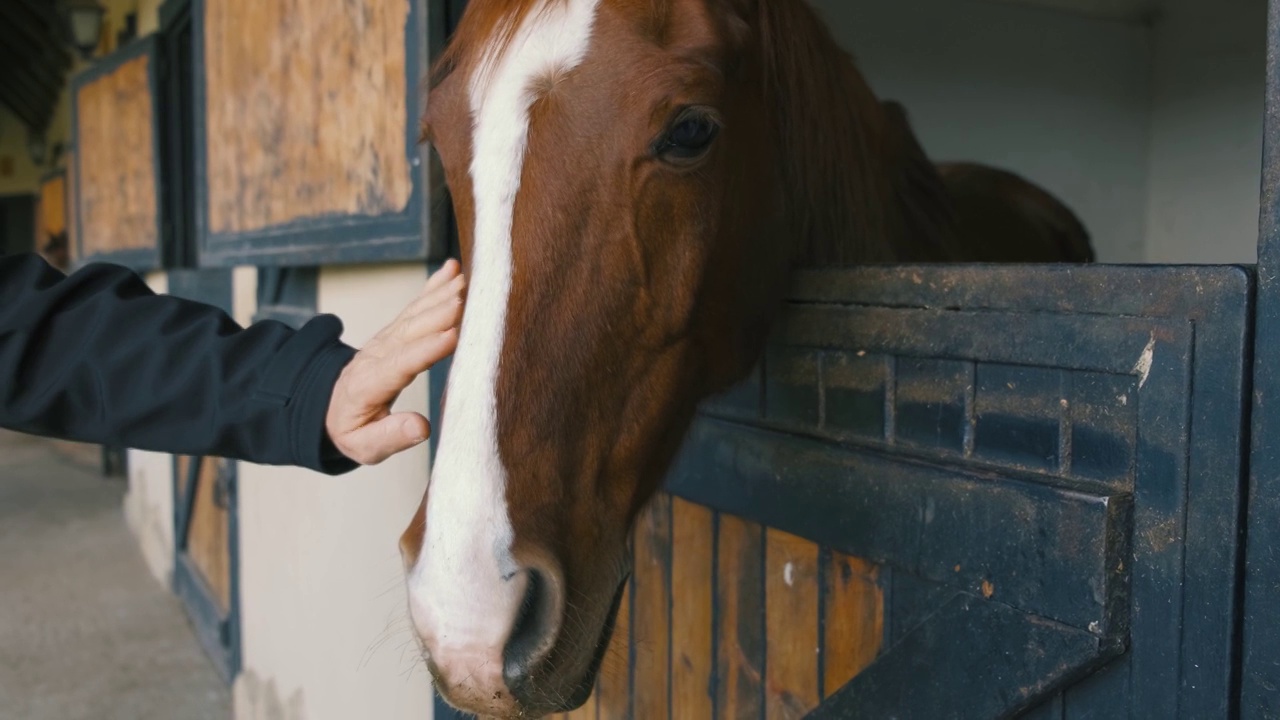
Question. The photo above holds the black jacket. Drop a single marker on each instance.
(98, 357)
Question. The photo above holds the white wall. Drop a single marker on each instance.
(325, 626)
(1206, 136)
(1059, 98)
(148, 503)
(1150, 131)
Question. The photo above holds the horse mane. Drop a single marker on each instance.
(860, 188)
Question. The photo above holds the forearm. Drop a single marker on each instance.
(98, 357)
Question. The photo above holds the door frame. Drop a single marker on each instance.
(219, 633)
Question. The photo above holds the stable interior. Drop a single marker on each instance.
(1145, 117)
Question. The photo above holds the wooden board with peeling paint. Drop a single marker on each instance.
(116, 164)
(53, 204)
(726, 618)
(306, 120)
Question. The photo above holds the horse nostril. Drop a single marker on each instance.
(532, 635)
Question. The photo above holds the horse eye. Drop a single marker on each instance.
(689, 138)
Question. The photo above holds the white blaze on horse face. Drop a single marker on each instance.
(466, 589)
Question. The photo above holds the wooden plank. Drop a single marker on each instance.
(947, 525)
(651, 612)
(72, 245)
(740, 627)
(207, 538)
(613, 691)
(791, 626)
(853, 619)
(693, 541)
(975, 659)
(41, 239)
(53, 205)
(310, 111)
(115, 140)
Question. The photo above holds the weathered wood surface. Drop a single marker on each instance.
(115, 128)
(72, 199)
(726, 618)
(53, 205)
(692, 574)
(651, 610)
(207, 538)
(792, 649)
(306, 115)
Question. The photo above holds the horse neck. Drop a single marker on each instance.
(859, 186)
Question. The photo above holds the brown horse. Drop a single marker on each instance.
(999, 216)
(633, 181)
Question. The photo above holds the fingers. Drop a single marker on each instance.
(436, 318)
(425, 333)
(447, 272)
(453, 288)
(380, 380)
(379, 440)
(417, 357)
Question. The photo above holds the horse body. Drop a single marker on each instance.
(633, 181)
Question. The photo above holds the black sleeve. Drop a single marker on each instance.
(98, 357)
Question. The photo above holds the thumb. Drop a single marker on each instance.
(393, 434)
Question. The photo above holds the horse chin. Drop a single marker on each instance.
(571, 697)
(588, 681)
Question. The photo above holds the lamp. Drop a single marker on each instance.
(84, 22)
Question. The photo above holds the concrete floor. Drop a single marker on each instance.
(85, 630)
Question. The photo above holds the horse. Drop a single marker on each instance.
(1000, 216)
(633, 183)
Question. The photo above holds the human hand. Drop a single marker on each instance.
(360, 422)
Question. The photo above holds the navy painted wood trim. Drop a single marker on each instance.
(287, 294)
(417, 232)
(1176, 448)
(924, 519)
(984, 657)
(145, 259)
(220, 634)
(213, 286)
(1260, 664)
(175, 113)
(51, 174)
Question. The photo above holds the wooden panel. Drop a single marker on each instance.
(693, 537)
(53, 207)
(791, 626)
(73, 247)
(740, 628)
(306, 111)
(41, 239)
(183, 473)
(115, 127)
(853, 609)
(614, 687)
(207, 536)
(651, 612)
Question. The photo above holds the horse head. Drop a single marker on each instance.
(632, 182)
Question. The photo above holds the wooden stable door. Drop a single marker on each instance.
(728, 618)
(205, 573)
(970, 492)
(204, 557)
